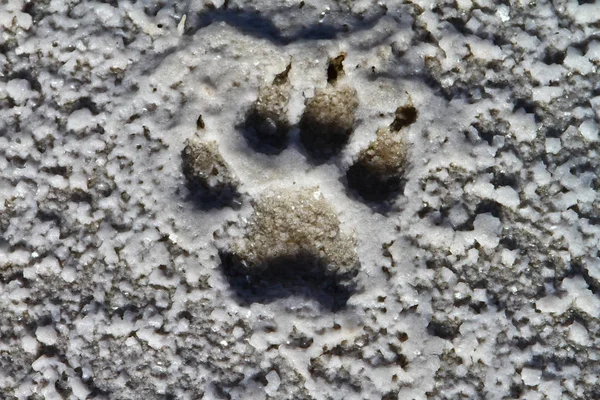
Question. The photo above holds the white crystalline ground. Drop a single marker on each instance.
(481, 282)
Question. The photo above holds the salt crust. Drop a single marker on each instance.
(110, 278)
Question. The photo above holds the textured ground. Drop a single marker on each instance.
(479, 278)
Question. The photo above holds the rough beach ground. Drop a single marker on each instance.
(480, 280)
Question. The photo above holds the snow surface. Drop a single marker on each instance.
(481, 280)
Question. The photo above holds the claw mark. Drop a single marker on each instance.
(405, 116)
(200, 123)
(335, 70)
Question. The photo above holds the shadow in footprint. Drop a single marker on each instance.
(318, 147)
(371, 187)
(263, 134)
(271, 145)
(259, 24)
(205, 200)
(300, 275)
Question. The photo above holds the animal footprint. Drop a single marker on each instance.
(293, 241)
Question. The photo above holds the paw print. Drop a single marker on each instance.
(293, 240)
